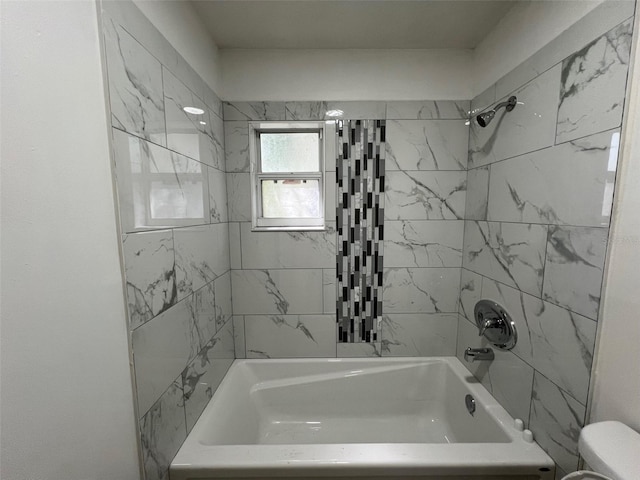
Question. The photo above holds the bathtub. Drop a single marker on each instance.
(387, 418)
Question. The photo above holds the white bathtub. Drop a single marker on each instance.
(356, 418)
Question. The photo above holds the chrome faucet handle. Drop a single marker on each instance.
(486, 324)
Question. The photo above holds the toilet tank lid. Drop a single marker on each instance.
(611, 448)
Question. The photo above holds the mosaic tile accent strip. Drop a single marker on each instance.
(359, 219)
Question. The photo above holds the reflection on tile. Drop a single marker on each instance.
(162, 431)
(534, 188)
(162, 349)
(312, 249)
(353, 350)
(556, 342)
(150, 274)
(254, 111)
(222, 286)
(426, 145)
(282, 336)
(135, 86)
(239, 197)
(428, 110)
(593, 85)
(530, 126)
(470, 293)
(203, 375)
(236, 144)
(512, 253)
(217, 196)
(359, 110)
(277, 291)
(202, 254)
(418, 243)
(419, 335)
(574, 267)
(556, 421)
(305, 110)
(156, 187)
(477, 193)
(238, 336)
(420, 290)
(425, 195)
(204, 312)
(329, 291)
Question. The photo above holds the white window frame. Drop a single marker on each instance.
(260, 223)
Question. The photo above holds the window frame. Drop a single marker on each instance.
(258, 221)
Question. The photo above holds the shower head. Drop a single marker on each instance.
(485, 118)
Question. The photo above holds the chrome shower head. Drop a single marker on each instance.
(485, 118)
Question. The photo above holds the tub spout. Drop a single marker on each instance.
(473, 354)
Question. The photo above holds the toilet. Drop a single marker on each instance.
(611, 449)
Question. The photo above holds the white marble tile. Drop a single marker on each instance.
(556, 421)
(420, 290)
(358, 350)
(305, 110)
(329, 291)
(235, 250)
(470, 293)
(215, 131)
(483, 100)
(428, 110)
(556, 342)
(284, 336)
(423, 243)
(426, 145)
(162, 348)
(367, 110)
(238, 336)
(218, 212)
(204, 312)
(157, 188)
(593, 85)
(236, 144)
(203, 375)
(254, 111)
(150, 274)
(202, 254)
(213, 101)
(477, 193)
(425, 195)
(574, 268)
(507, 377)
(568, 184)
(224, 308)
(239, 197)
(511, 253)
(162, 431)
(312, 249)
(291, 291)
(530, 126)
(135, 85)
(419, 335)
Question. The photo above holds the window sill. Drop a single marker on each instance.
(290, 229)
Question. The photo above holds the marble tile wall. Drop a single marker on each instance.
(171, 185)
(539, 193)
(284, 283)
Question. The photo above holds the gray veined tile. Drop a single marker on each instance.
(477, 193)
(426, 145)
(366, 110)
(238, 336)
(556, 342)
(556, 421)
(204, 312)
(420, 290)
(593, 85)
(218, 212)
(224, 310)
(150, 274)
(358, 350)
(135, 86)
(511, 253)
(254, 111)
(213, 101)
(281, 336)
(239, 197)
(214, 130)
(234, 246)
(419, 335)
(413, 195)
(574, 268)
(428, 110)
(483, 100)
(570, 184)
(158, 188)
(329, 291)
(428, 243)
(203, 375)
(236, 144)
(162, 431)
(470, 293)
(305, 110)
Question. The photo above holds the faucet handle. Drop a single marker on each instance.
(486, 324)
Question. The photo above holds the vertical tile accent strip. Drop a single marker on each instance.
(360, 168)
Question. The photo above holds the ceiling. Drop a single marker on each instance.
(329, 24)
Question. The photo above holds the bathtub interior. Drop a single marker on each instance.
(346, 402)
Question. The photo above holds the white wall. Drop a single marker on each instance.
(67, 408)
(181, 26)
(616, 388)
(345, 74)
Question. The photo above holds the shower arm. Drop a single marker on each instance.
(509, 105)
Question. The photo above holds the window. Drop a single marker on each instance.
(287, 172)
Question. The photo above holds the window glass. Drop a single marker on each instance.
(290, 152)
(294, 198)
